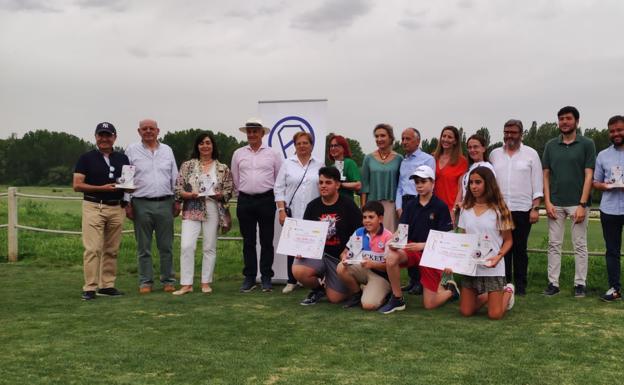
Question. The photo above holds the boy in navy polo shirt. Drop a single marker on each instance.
(370, 272)
(426, 213)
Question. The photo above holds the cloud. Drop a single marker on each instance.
(465, 4)
(27, 5)
(410, 24)
(332, 15)
(175, 52)
(444, 24)
(111, 5)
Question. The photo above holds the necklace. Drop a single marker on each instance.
(383, 158)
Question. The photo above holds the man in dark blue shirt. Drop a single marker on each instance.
(102, 212)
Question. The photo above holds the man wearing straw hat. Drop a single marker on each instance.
(254, 169)
(102, 212)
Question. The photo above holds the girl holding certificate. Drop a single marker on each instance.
(486, 214)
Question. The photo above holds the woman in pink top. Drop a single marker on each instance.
(450, 166)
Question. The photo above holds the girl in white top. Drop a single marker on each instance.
(477, 157)
(486, 214)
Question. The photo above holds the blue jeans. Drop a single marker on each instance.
(612, 233)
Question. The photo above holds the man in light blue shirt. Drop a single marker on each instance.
(609, 178)
(406, 190)
(152, 207)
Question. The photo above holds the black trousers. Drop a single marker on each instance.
(412, 272)
(257, 210)
(612, 232)
(517, 260)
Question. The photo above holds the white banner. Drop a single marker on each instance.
(285, 118)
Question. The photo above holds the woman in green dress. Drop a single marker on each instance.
(380, 175)
(340, 155)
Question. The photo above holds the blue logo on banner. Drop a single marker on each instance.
(283, 131)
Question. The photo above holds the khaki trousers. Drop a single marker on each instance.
(556, 230)
(101, 237)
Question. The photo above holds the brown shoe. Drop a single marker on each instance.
(145, 289)
(169, 288)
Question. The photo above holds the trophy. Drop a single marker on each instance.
(617, 175)
(206, 186)
(355, 250)
(126, 180)
(339, 164)
(482, 253)
(399, 239)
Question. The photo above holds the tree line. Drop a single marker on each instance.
(47, 158)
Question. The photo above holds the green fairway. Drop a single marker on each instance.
(50, 336)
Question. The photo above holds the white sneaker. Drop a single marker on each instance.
(289, 288)
(510, 288)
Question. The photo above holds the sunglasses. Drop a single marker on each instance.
(111, 170)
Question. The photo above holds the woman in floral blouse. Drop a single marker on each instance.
(205, 186)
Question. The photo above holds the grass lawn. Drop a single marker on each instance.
(50, 336)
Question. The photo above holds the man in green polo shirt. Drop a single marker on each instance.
(568, 164)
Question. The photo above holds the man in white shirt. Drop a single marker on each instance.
(520, 178)
(152, 205)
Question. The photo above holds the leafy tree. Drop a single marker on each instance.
(429, 145)
(537, 137)
(600, 138)
(354, 146)
(30, 159)
(181, 142)
(485, 133)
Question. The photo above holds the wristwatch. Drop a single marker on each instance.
(583, 204)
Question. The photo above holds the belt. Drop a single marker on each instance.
(265, 194)
(156, 199)
(115, 202)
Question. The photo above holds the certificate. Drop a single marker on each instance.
(459, 252)
(302, 237)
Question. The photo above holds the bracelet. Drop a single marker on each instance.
(281, 209)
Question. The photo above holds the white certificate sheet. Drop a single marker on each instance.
(451, 250)
(302, 237)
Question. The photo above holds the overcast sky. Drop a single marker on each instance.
(67, 65)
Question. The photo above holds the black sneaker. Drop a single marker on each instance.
(267, 286)
(248, 285)
(579, 291)
(393, 304)
(410, 285)
(355, 300)
(551, 290)
(109, 292)
(452, 286)
(417, 289)
(611, 295)
(313, 297)
(88, 295)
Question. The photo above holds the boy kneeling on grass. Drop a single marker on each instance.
(426, 213)
(371, 273)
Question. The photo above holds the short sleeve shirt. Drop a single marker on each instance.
(98, 172)
(567, 164)
(350, 173)
(433, 216)
(610, 169)
(490, 237)
(344, 218)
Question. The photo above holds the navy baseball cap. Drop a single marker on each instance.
(105, 127)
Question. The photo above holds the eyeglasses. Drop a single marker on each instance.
(334, 146)
(511, 132)
(111, 170)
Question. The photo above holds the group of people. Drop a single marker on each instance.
(495, 195)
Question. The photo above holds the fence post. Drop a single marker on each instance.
(12, 228)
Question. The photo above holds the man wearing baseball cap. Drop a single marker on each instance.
(102, 212)
(425, 213)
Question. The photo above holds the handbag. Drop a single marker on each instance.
(287, 209)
